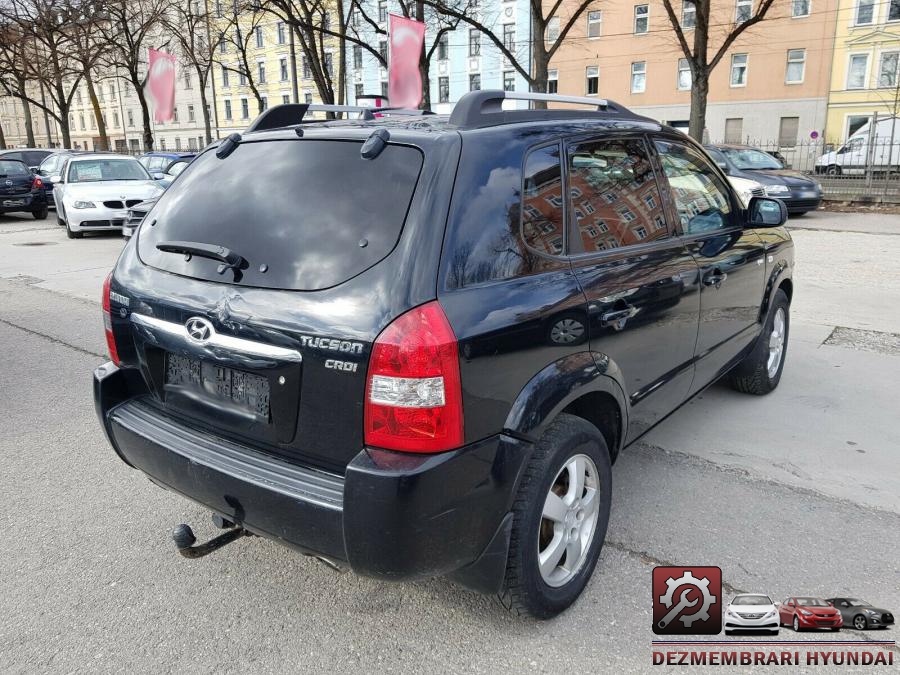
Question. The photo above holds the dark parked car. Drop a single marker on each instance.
(51, 168)
(32, 157)
(158, 161)
(809, 613)
(21, 190)
(801, 193)
(135, 216)
(377, 341)
(860, 614)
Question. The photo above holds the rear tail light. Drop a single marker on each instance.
(37, 184)
(107, 322)
(413, 391)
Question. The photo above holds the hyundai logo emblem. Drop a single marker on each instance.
(9, 182)
(198, 329)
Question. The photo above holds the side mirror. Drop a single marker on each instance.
(157, 175)
(766, 212)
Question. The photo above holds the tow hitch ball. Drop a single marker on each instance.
(184, 538)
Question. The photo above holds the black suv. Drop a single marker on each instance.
(414, 345)
(21, 190)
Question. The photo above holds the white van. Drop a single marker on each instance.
(851, 158)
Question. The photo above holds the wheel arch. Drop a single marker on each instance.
(576, 385)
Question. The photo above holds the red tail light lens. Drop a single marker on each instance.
(107, 322)
(413, 391)
(37, 184)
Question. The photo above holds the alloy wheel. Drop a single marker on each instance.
(566, 331)
(568, 521)
(776, 342)
(859, 623)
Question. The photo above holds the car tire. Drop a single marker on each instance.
(796, 624)
(570, 448)
(797, 214)
(40, 214)
(835, 629)
(833, 170)
(760, 371)
(860, 622)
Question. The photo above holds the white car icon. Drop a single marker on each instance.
(751, 611)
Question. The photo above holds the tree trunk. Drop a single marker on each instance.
(540, 59)
(2, 139)
(98, 114)
(342, 54)
(64, 130)
(145, 113)
(29, 122)
(699, 94)
(207, 125)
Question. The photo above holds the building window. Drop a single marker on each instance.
(552, 81)
(739, 70)
(259, 37)
(552, 34)
(329, 64)
(443, 47)
(326, 20)
(638, 77)
(174, 114)
(888, 70)
(192, 143)
(894, 11)
(191, 116)
(443, 90)
(131, 118)
(509, 80)
(264, 103)
(285, 99)
(856, 73)
(245, 109)
(358, 90)
(283, 69)
(307, 73)
(307, 98)
(734, 129)
(227, 110)
(799, 8)
(592, 77)
(357, 57)
(684, 75)
(225, 82)
(178, 143)
(688, 15)
(743, 10)
(796, 66)
(223, 45)
(865, 12)
(115, 119)
(382, 50)
(261, 72)
(787, 131)
(595, 23)
(81, 121)
(509, 37)
(162, 143)
(475, 82)
(382, 11)
(641, 19)
(474, 42)
(384, 90)
(281, 34)
(187, 79)
(242, 77)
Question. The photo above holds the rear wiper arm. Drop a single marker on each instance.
(228, 258)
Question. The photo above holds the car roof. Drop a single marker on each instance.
(11, 159)
(7, 150)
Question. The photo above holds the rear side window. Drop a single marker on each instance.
(9, 167)
(542, 203)
(613, 194)
(304, 214)
(700, 196)
(35, 157)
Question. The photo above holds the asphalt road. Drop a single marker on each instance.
(794, 493)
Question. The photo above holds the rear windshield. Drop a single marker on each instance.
(92, 170)
(303, 214)
(10, 167)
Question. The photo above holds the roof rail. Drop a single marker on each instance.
(289, 114)
(485, 108)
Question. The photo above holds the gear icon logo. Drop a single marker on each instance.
(687, 600)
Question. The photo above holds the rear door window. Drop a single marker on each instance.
(303, 214)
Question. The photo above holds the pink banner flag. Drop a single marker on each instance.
(404, 78)
(161, 85)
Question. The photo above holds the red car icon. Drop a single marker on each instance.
(809, 613)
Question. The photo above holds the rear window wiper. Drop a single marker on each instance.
(228, 258)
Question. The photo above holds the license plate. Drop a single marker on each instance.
(120, 215)
(13, 202)
(246, 390)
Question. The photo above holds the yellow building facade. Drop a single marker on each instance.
(865, 73)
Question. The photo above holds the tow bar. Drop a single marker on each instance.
(184, 538)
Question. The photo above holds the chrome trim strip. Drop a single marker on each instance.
(227, 342)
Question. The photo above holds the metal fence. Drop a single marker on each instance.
(860, 169)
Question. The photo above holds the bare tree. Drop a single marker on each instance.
(81, 20)
(698, 56)
(14, 56)
(531, 62)
(132, 27)
(189, 24)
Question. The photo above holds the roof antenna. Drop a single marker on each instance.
(228, 146)
(374, 144)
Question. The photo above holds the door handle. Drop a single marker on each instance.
(714, 278)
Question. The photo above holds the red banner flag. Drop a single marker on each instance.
(404, 78)
(161, 85)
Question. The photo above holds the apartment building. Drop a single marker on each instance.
(463, 60)
(269, 65)
(865, 76)
(771, 85)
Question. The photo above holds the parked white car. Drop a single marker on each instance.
(853, 156)
(94, 192)
(751, 611)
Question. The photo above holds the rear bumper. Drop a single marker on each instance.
(391, 515)
(29, 202)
